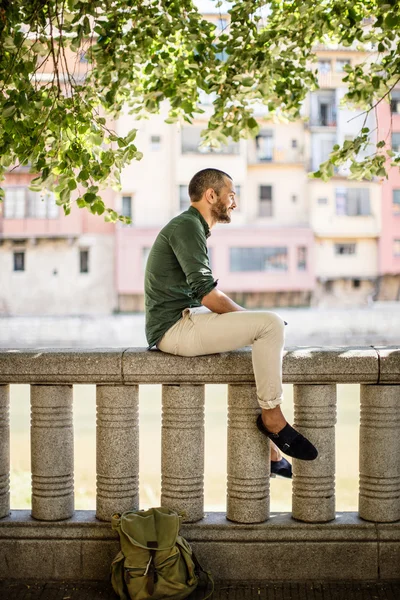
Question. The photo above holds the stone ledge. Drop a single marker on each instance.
(82, 548)
(137, 365)
(300, 365)
(389, 368)
(214, 527)
(61, 366)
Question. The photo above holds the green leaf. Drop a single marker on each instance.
(8, 110)
(252, 123)
(131, 136)
(89, 197)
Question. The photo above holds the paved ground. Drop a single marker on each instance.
(273, 591)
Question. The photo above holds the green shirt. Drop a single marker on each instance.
(178, 272)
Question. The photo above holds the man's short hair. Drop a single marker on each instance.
(205, 179)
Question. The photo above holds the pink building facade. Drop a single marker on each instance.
(389, 245)
(249, 262)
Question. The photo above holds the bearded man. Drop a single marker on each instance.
(187, 315)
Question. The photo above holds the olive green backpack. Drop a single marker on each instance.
(155, 561)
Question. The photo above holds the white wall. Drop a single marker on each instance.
(364, 263)
(52, 283)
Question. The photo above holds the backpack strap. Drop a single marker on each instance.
(206, 573)
(151, 574)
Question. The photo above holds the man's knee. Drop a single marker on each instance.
(275, 323)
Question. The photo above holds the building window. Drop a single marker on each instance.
(191, 140)
(294, 198)
(324, 66)
(345, 248)
(15, 206)
(395, 101)
(323, 108)
(352, 202)
(356, 283)
(264, 146)
(396, 202)
(145, 256)
(19, 261)
(265, 201)
(126, 206)
(184, 200)
(340, 64)
(302, 258)
(155, 143)
(294, 143)
(84, 261)
(326, 114)
(396, 142)
(396, 247)
(322, 200)
(21, 202)
(258, 259)
(221, 24)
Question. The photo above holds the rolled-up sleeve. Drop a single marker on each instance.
(188, 242)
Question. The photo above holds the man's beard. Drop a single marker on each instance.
(220, 212)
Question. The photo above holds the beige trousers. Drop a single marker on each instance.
(201, 331)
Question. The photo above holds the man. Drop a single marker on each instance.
(187, 315)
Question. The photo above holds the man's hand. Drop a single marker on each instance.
(219, 302)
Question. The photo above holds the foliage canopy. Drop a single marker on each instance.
(139, 54)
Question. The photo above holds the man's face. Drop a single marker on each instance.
(225, 203)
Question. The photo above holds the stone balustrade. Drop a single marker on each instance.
(219, 538)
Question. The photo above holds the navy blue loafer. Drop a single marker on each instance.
(282, 467)
(290, 441)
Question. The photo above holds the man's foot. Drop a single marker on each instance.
(282, 467)
(273, 419)
(289, 441)
(275, 453)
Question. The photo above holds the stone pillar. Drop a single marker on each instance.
(4, 452)
(248, 458)
(182, 458)
(313, 495)
(379, 497)
(117, 449)
(52, 452)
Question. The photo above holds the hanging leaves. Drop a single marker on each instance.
(69, 67)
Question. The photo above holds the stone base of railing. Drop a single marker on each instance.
(281, 549)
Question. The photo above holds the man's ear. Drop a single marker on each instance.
(210, 195)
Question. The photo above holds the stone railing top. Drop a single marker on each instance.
(312, 364)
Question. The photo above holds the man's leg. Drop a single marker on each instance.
(210, 333)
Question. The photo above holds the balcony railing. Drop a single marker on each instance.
(244, 543)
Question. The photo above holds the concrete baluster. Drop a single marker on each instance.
(4, 451)
(379, 497)
(52, 452)
(313, 492)
(248, 458)
(117, 449)
(182, 458)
